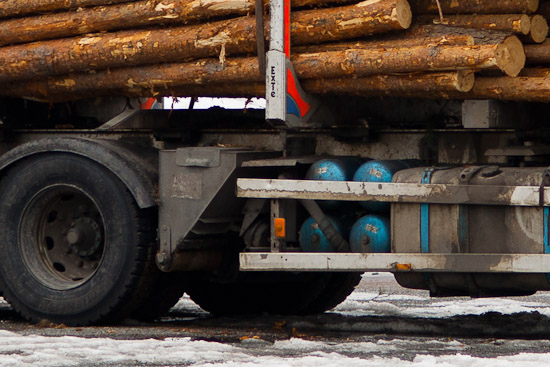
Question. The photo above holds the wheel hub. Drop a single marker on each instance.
(68, 241)
(84, 237)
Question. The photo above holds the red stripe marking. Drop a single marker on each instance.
(303, 106)
(287, 27)
(147, 105)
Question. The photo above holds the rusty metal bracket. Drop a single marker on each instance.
(339, 243)
(468, 173)
(164, 255)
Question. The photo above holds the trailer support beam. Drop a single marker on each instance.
(396, 262)
(393, 192)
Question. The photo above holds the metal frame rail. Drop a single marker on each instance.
(276, 189)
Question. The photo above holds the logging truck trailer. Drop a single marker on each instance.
(109, 210)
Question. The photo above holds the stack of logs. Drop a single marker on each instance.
(62, 50)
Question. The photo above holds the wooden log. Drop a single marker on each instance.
(538, 54)
(318, 3)
(419, 85)
(389, 43)
(10, 8)
(423, 85)
(510, 23)
(321, 65)
(125, 16)
(416, 85)
(234, 36)
(210, 71)
(235, 90)
(539, 30)
(449, 7)
(481, 37)
(416, 35)
(531, 86)
(352, 21)
(507, 56)
(246, 90)
(148, 77)
(122, 16)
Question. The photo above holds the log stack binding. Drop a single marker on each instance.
(63, 50)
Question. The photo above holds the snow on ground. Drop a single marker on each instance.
(376, 302)
(369, 302)
(45, 351)
(17, 350)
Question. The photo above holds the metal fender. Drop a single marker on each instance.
(135, 165)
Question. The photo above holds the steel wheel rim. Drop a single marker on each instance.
(62, 237)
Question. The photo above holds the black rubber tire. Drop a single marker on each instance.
(112, 290)
(338, 288)
(166, 291)
(253, 293)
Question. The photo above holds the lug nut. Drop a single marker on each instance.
(162, 259)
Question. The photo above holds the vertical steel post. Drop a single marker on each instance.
(286, 101)
(276, 59)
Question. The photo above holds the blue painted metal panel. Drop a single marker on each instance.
(425, 216)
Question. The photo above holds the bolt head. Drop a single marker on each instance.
(162, 259)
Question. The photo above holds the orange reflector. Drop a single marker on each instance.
(279, 224)
(403, 267)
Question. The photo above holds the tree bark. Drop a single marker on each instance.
(419, 85)
(474, 6)
(145, 78)
(10, 8)
(510, 23)
(126, 16)
(352, 21)
(538, 54)
(122, 16)
(531, 86)
(234, 36)
(404, 41)
(423, 85)
(481, 37)
(321, 65)
(507, 56)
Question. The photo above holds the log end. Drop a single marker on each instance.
(532, 6)
(402, 13)
(524, 24)
(465, 80)
(510, 56)
(539, 28)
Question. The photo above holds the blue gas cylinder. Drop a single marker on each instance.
(312, 238)
(332, 169)
(381, 171)
(370, 233)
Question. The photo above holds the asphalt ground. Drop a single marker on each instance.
(490, 334)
